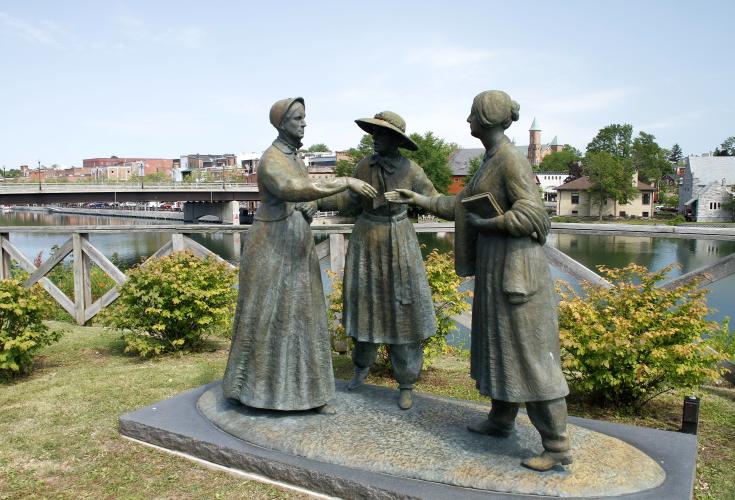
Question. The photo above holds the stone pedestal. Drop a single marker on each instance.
(373, 449)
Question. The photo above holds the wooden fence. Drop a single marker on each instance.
(83, 309)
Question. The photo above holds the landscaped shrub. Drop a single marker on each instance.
(630, 343)
(22, 332)
(173, 303)
(448, 300)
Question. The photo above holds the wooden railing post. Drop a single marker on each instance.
(4, 258)
(82, 285)
(337, 253)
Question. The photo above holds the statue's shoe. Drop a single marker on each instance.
(487, 427)
(405, 399)
(358, 378)
(326, 409)
(547, 460)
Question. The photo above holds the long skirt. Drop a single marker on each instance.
(515, 347)
(280, 356)
(386, 295)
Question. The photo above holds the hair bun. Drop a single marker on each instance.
(515, 109)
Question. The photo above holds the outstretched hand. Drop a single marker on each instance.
(401, 196)
(361, 187)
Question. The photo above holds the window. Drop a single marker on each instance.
(574, 212)
(575, 198)
(646, 199)
(644, 214)
(622, 213)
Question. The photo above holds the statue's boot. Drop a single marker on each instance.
(327, 409)
(547, 460)
(487, 427)
(405, 399)
(358, 378)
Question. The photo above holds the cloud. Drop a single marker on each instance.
(44, 33)
(136, 30)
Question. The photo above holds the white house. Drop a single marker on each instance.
(707, 184)
(549, 181)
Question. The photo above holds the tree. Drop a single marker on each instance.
(346, 168)
(560, 161)
(727, 148)
(611, 178)
(614, 139)
(12, 173)
(433, 156)
(730, 205)
(318, 148)
(649, 158)
(676, 154)
(473, 166)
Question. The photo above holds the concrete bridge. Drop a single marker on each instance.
(218, 199)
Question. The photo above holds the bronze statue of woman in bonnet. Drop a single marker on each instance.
(500, 228)
(280, 357)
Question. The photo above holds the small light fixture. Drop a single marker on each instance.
(690, 415)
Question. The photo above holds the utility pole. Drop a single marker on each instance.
(40, 187)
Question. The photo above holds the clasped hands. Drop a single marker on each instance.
(408, 196)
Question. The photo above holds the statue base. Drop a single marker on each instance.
(371, 448)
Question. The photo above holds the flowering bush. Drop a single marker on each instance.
(173, 303)
(634, 341)
(22, 333)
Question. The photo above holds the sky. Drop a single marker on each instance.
(82, 79)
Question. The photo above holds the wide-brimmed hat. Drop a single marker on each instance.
(280, 108)
(390, 121)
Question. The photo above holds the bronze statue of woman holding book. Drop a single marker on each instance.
(500, 231)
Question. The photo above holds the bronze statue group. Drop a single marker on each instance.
(280, 357)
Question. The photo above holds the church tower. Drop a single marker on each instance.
(534, 146)
(555, 146)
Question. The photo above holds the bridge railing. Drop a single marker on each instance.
(30, 187)
(332, 249)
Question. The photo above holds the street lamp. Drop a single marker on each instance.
(40, 188)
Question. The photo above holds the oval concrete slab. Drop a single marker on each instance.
(430, 442)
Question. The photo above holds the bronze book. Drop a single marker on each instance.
(484, 204)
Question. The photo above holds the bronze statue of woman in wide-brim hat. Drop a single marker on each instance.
(386, 294)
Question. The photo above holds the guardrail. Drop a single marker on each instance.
(126, 186)
(83, 309)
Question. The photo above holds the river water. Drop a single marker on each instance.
(611, 251)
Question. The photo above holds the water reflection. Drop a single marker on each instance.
(590, 250)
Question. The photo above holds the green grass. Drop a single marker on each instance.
(60, 439)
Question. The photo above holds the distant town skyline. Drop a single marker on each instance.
(83, 79)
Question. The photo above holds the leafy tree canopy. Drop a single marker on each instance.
(474, 166)
(727, 148)
(318, 148)
(11, 173)
(650, 159)
(560, 161)
(614, 139)
(345, 168)
(433, 156)
(676, 154)
(611, 178)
